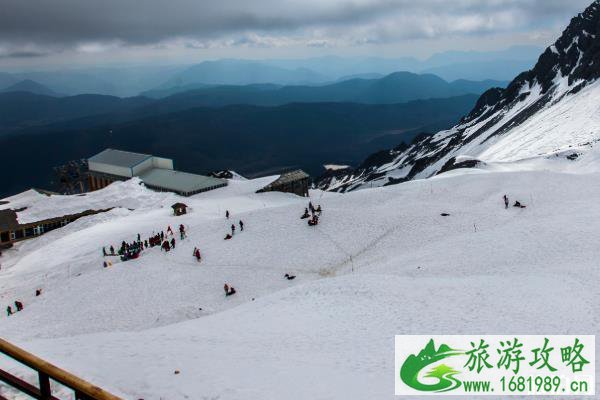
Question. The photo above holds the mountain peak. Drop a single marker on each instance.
(548, 111)
(28, 85)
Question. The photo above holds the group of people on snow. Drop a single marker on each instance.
(313, 216)
(132, 250)
(229, 236)
(517, 203)
(18, 307)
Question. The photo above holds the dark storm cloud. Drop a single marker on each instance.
(67, 23)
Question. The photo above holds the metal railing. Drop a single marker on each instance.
(46, 371)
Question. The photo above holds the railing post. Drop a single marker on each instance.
(45, 391)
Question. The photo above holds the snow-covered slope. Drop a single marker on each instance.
(382, 262)
(550, 109)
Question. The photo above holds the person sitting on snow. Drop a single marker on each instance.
(289, 277)
(519, 205)
(231, 291)
(306, 214)
(228, 237)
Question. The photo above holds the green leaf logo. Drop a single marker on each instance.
(409, 373)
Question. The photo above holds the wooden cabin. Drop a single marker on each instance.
(296, 182)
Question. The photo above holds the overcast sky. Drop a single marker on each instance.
(55, 32)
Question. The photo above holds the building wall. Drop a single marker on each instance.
(110, 169)
(98, 180)
(28, 231)
(141, 167)
(164, 163)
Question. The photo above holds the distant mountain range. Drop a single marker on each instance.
(398, 87)
(30, 86)
(23, 109)
(249, 139)
(130, 81)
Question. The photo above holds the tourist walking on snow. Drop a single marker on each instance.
(241, 225)
(173, 243)
(505, 202)
(232, 229)
(9, 311)
(18, 305)
(181, 231)
(227, 214)
(197, 254)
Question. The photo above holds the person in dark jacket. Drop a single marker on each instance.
(173, 243)
(18, 305)
(232, 229)
(505, 202)
(227, 214)
(306, 214)
(9, 311)
(241, 225)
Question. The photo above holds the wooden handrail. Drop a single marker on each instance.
(59, 375)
